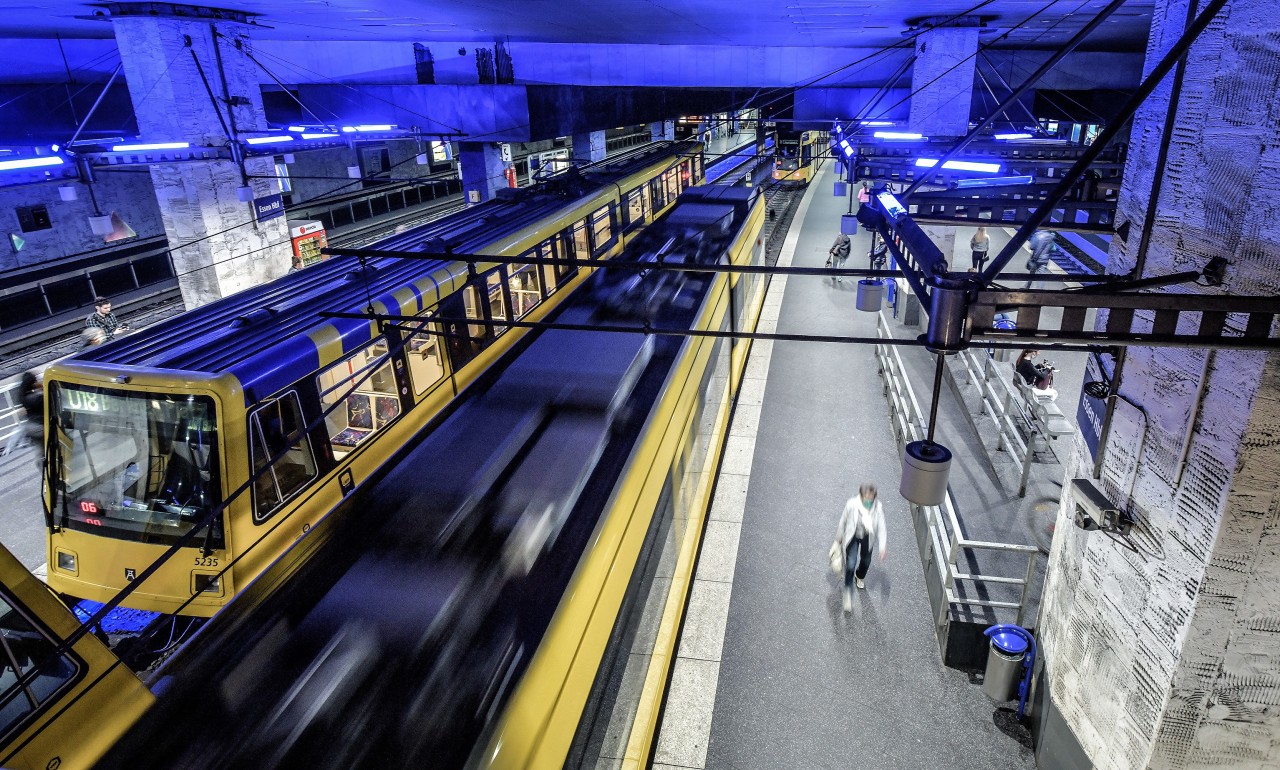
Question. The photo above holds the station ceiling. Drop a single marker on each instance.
(1041, 24)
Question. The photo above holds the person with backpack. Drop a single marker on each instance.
(839, 253)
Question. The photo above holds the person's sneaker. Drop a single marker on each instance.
(861, 584)
(848, 601)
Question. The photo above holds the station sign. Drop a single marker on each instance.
(1092, 411)
(268, 207)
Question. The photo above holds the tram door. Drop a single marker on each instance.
(462, 344)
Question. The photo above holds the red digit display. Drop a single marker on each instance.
(88, 507)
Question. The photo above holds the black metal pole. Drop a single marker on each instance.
(1113, 129)
(927, 173)
(937, 391)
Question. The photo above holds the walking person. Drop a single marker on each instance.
(1043, 246)
(32, 398)
(862, 520)
(839, 253)
(979, 246)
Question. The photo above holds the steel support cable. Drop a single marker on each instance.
(1152, 81)
(333, 81)
(245, 52)
(883, 50)
(1063, 94)
(1017, 93)
(996, 74)
(971, 57)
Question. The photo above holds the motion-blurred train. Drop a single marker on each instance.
(484, 600)
(231, 430)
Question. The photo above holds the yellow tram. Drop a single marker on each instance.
(797, 157)
(228, 432)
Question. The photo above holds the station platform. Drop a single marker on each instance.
(770, 671)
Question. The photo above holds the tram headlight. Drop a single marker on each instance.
(67, 562)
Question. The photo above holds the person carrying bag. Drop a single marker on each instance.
(861, 521)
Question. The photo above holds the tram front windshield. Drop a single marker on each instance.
(789, 155)
(133, 465)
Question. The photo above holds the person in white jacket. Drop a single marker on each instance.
(862, 520)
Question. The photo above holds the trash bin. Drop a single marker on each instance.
(870, 295)
(1008, 651)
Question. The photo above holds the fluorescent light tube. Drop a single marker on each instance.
(1013, 136)
(150, 146)
(268, 139)
(960, 165)
(17, 163)
(896, 135)
(319, 136)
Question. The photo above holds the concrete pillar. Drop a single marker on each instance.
(483, 170)
(942, 78)
(663, 130)
(219, 247)
(588, 147)
(1169, 657)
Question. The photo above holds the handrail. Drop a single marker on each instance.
(946, 539)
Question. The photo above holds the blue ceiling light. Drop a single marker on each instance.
(21, 163)
(54, 147)
(960, 165)
(1013, 136)
(296, 129)
(373, 127)
(896, 135)
(150, 146)
(268, 139)
(348, 129)
(874, 123)
(995, 181)
(319, 136)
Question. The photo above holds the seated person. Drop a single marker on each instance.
(1040, 381)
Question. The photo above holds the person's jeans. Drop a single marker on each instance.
(861, 547)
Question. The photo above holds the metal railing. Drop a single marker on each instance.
(12, 415)
(991, 207)
(943, 542)
(1004, 404)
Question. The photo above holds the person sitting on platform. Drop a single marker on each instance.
(1039, 379)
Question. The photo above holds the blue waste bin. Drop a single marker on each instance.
(1009, 662)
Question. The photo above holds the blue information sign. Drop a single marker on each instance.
(1091, 412)
(268, 207)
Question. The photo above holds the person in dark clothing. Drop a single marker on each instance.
(1039, 380)
(102, 318)
(31, 395)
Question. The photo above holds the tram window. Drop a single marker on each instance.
(24, 650)
(656, 198)
(277, 427)
(426, 364)
(672, 181)
(471, 299)
(601, 230)
(525, 291)
(368, 403)
(497, 300)
(579, 240)
(635, 207)
(550, 273)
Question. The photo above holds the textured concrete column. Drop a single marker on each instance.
(663, 130)
(1169, 657)
(588, 147)
(942, 77)
(483, 170)
(219, 247)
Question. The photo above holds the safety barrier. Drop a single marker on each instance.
(1005, 405)
(12, 416)
(938, 533)
(989, 206)
(358, 206)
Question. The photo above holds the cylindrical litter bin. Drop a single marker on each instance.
(870, 295)
(1004, 665)
(925, 466)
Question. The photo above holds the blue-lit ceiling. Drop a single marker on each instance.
(688, 22)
